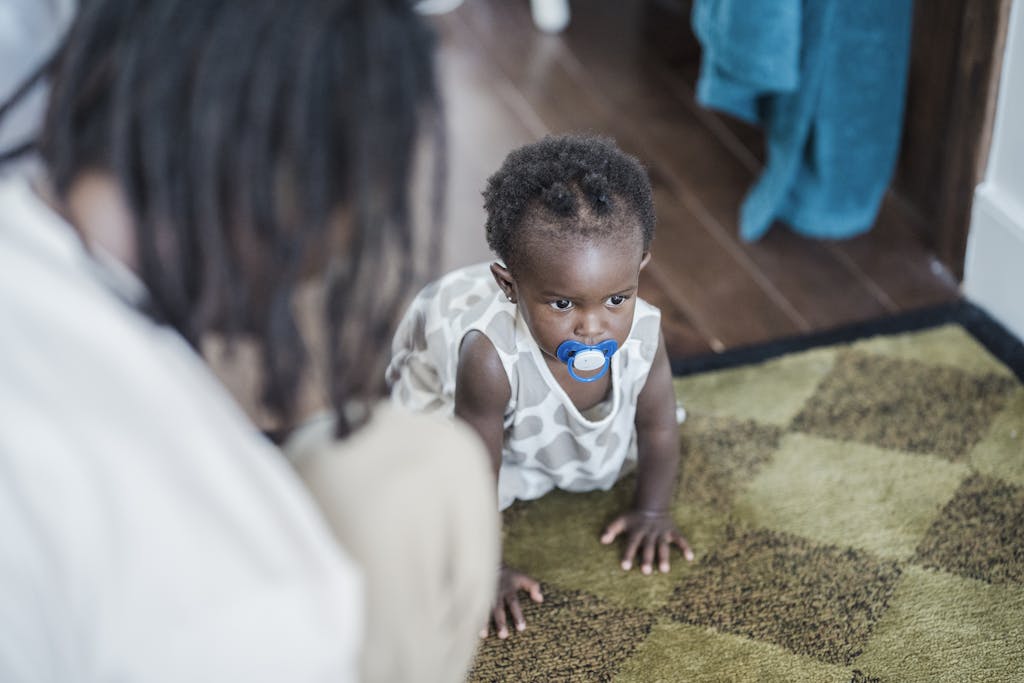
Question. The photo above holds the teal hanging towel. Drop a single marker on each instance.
(826, 79)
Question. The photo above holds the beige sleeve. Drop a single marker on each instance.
(411, 498)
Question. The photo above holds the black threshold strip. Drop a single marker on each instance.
(989, 333)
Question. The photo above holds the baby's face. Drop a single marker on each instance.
(584, 291)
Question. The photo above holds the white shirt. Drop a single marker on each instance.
(147, 531)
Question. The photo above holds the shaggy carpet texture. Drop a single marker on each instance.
(857, 512)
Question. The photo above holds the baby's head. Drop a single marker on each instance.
(564, 189)
(572, 219)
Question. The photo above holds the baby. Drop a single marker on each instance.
(549, 353)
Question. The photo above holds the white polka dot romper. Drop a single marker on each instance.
(548, 442)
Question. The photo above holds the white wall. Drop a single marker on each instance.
(994, 271)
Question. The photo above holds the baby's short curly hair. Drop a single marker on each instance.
(572, 184)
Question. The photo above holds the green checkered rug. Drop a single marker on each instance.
(857, 513)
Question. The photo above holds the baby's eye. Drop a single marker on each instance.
(617, 299)
(561, 304)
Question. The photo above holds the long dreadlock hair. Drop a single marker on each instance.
(236, 130)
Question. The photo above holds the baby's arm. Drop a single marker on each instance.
(648, 528)
(481, 393)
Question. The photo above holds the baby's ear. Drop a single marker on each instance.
(644, 259)
(505, 281)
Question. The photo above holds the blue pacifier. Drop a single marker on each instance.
(578, 356)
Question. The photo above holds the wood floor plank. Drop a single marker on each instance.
(508, 83)
(894, 257)
(707, 180)
(668, 37)
(714, 290)
(891, 259)
(705, 270)
(484, 126)
(681, 81)
(682, 339)
(705, 166)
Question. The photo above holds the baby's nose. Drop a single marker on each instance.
(589, 328)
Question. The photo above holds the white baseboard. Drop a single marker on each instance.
(994, 268)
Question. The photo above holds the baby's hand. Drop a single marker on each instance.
(510, 582)
(647, 532)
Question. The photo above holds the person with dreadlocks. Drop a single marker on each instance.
(549, 353)
(199, 161)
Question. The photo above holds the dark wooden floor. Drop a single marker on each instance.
(507, 84)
